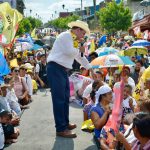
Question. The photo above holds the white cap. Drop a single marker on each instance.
(102, 90)
(28, 66)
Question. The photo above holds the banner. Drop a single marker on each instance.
(115, 119)
(9, 19)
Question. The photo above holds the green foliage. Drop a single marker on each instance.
(28, 24)
(114, 17)
(62, 22)
(24, 26)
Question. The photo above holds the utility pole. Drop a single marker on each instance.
(94, 4)
(81, 9)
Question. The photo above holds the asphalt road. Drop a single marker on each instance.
(38, 132)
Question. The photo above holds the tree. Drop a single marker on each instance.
(28, 24)
(115, 17)
(24, 26)
(62, 23)
(35, 23)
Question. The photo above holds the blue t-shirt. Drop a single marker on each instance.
(100, 111)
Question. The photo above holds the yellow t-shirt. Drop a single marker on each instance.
(34, 84)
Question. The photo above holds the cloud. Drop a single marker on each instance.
(46, 8)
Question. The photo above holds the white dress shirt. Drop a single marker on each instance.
(64, 53)
(28, 81)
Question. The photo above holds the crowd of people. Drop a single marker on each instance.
(26, 77)
(93, 89)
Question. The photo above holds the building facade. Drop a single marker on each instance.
(16, 4)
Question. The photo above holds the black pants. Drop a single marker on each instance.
(60, 90)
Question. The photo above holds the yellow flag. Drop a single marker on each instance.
(14, 63)
(138, 93)
(33, 34)
(92, 48)
(9, 19)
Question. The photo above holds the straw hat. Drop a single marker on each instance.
(22, 67)
(28, 66)
(80, 24)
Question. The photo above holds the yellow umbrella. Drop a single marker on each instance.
(131, 51)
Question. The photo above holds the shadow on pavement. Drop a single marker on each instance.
(92, 147)
(63, 144)
(74, 105)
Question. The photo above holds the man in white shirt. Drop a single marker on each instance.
(40, 71)
(59, 61)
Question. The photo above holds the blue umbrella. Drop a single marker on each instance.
(36, 47)
(106, 51)
(141, 43)
(111, 60)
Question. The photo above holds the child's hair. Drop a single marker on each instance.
(94, 89)
(144, 105)
(142, 123)
(94, 85)
(128, 86)
(5, 114)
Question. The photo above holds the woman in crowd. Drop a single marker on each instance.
(100, 112)
(20, 87)
(11, 96)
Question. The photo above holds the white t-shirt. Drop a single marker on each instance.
(13, 101)
(5, 104)
(37, 68)
(130, 138)
(2, 139)
(87, 91)
(28, 81)
(131, 83)
(126, 107)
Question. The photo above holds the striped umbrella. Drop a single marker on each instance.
(141, 43)
(111, 60)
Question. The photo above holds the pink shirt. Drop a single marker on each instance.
(19, 88)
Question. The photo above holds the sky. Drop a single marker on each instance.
(45, 8)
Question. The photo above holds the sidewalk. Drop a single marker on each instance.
(38, 132)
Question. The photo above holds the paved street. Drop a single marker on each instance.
(38, 132)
